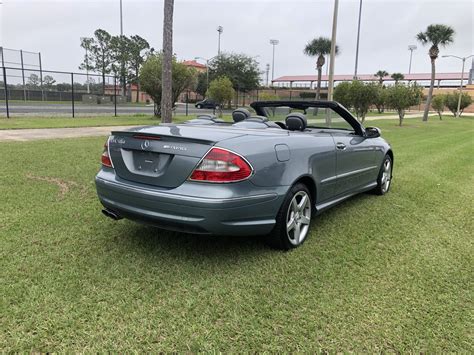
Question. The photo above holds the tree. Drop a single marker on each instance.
(436, 35)
(319, 47)
(438, 104)
(400, 97)
(167, 62)
(99, 55)
(342, 94)
(362, 96)
(139, 49)
(48, 82)
(451, 102)
(381, 74)
(380, 98)
(121, 55)
(201, 86)
(242, 71)
(397, 77)
(33, 81)
(151, 79)
(221, 91)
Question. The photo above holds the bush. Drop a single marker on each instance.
(451, 102)
(220, 90)
(342, 94)
(438, 104)
(400, 97)
(308, 95)
(268, 96)
(380, 98)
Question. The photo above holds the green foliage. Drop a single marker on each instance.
(150, 79)
(438, 104)
(380, 100)
(268, 96)
(307, 95)
(201, 86)
(221, 91)
(397, 77)
(33, 81)
(451, 102)
(381, 74)
(436, 35)
(48, 81)
(400, 97)
(242, 71)
(342, 94)
(320, 46)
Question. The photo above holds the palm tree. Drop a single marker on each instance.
(397, 77)
(319, 47)
(381, 74)
(167, 63)
(436, 35)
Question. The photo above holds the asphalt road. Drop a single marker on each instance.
(22, 109)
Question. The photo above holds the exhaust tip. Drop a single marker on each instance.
(111, 214)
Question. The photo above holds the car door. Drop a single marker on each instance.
(355, 161)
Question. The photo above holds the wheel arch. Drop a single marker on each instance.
(308, 181)
(390, 154)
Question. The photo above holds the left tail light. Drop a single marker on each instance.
(105, 158)
(220, 166)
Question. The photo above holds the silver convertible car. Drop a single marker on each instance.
(266, 173)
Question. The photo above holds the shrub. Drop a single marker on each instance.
(400, 97)
(220, 90)
(438, 104)
(451, 102)
(342, 94)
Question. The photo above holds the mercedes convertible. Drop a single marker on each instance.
(267, 172)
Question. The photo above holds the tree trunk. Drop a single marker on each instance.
(166, 75)
(430, 92)
(440, 118)
(318, 87)
(401, 116)
(138, 85)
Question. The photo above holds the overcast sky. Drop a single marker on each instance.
(388, 27)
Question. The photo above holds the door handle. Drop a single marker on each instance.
(340, 146)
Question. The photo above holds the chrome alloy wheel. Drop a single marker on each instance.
(298, 218)
(386, 175)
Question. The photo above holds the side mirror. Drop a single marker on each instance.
(372, 132)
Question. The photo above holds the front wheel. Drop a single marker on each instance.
(384, 179)
(198, 106)
(293, 219)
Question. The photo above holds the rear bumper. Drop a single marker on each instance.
(230, 209)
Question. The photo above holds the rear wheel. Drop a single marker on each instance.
(384, 179)
(293, 219)
(198, 106)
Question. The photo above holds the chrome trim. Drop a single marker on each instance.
(108, 151)
(348, 174)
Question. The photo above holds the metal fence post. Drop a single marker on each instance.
(72, 93)
(23, 75)
(41, 77)
(115, 96)
(6, 90)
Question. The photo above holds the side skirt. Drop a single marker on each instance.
(328, 204)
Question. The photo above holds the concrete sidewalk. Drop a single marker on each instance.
(22, 135)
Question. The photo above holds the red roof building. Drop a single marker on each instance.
(193, 64)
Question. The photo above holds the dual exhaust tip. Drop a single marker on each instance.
(111, 214)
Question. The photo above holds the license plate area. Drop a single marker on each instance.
(146, 163)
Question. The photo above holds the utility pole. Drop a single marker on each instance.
(220, 29)
(333, 50)
(121, 19)
(357, 45)
(273, 42)
(267, 70)
(411, 48)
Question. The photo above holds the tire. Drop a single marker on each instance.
(285, 234)
(384, 180)
(199, 106)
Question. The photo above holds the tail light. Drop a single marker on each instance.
(220, 165)
(105, 158)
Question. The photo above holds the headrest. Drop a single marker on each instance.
(257, 119)
(206, 116)
(240, 114)
(296, 121)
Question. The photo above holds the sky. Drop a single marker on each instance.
(388, 27)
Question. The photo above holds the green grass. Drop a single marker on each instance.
(377, 274)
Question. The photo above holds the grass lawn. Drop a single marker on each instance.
(377, 274)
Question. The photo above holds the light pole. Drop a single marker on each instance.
(220, 29)
(207, 69)
(267, 70)
(273, 42)
(462, 79)
(411, 48)
(357, 44)
(121, 19)
(333, 50)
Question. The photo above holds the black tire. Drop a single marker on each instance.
(280, 237)
(382, 187)
(198, 106)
